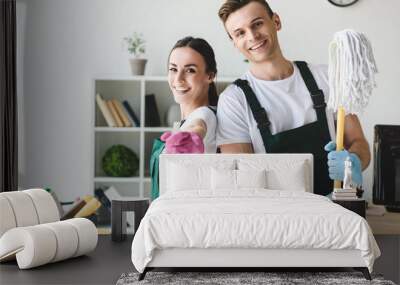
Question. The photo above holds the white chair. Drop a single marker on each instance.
(31, 231)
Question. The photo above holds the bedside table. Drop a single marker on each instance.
(118, 216)
(358, 206)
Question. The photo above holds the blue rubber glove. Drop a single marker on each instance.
(336, 164)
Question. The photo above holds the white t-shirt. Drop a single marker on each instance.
(204, 113)
(287, 102)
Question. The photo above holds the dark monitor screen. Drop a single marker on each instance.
(386, 190)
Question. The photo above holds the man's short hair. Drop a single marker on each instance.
(231, 6)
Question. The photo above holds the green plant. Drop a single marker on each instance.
(120, 161)
(135, 44)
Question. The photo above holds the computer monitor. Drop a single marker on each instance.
(386, 189)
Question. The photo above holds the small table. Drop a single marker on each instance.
(118, 216)
(357, 205)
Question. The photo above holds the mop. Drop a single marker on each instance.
(351, 73)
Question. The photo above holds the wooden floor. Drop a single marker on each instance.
(102, 266)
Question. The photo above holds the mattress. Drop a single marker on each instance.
(250, 219)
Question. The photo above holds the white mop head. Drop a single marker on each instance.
(352, 70)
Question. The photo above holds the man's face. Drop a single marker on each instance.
(254, 32)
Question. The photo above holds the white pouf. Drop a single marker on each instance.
(30, 230)
(37, 245)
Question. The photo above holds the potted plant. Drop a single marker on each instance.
(136, 46)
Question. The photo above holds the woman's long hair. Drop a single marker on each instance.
(203, 47)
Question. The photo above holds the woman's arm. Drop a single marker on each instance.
(198, 126)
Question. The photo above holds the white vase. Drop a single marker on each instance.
(138, 65)
(173, 115)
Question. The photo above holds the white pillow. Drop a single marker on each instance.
(251, 178)
(291, 178)
(188, 175)
(223, 179)
(281, 174)
(227, 179)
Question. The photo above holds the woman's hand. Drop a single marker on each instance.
(182, 142)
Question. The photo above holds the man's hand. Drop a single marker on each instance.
(182, 142)
(336, 164)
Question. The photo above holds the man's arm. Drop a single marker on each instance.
(237, 148)
(355, 141)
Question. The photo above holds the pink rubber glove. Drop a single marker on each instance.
(182, 142)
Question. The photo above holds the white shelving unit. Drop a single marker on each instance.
(139, 139)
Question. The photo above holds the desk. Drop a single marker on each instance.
(388, 224)
(386, 230)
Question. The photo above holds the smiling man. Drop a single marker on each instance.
(278, 106)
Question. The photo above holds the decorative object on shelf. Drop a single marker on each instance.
(343, 3)
(172, 115)
(152, 117)
(136, 46)
(120, 161)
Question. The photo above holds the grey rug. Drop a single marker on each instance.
(230, 278)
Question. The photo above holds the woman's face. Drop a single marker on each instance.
(187, 76)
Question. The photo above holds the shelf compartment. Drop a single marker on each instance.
(163, 96)
(104, 140)
(117, 89)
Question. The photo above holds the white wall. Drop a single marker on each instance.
(67, 43)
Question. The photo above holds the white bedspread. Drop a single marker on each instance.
(250, 219)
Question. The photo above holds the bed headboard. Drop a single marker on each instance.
(174, 166)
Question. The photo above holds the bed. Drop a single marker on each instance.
(247, 210)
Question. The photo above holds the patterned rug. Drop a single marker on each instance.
(244, 278)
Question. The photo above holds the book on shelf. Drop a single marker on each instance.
(104, 212)
(152, 117)
(344, 190)
(114, 113)
(131, 113)
(105, 111)
(121, 112)
(345, 196)
(89, 209)
(112, 194)
(99, 193)
(76, 207)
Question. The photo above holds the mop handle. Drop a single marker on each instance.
(339, 139)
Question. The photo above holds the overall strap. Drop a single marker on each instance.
(317, 95)
(259, 113)
(212, 109)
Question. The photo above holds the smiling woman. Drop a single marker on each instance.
(191, 72)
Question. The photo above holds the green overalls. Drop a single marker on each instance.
(310, 138)
(158, 147)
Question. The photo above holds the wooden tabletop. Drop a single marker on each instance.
(388, 224)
